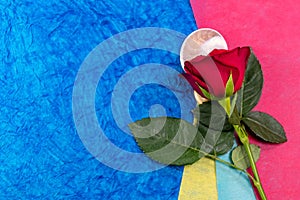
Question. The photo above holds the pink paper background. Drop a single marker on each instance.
(272, 29)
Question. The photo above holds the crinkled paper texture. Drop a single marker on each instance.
(43, 43)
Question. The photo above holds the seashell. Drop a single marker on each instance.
(201, 42)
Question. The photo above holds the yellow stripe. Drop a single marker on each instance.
(199, 181)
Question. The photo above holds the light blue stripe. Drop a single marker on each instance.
(232, 184)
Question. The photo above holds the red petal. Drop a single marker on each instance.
(217, 51)
(212, 72)
(207, 71)
(235, 61)
(192, 82)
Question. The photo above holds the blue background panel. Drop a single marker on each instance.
(42, 45)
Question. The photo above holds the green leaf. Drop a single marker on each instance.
(265, 127)
(233, 103)
(214, 126)
(224, 143)
(205, 93)
(234, 117)
(229, 86)
(169, 140)
(249, 94)
(240, 157)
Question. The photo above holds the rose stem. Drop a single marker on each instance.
(243, 136)
(245, 141)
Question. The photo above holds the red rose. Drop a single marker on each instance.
(212, 72)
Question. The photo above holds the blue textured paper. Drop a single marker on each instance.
(42, 46)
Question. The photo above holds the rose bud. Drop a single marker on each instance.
(218, 75)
